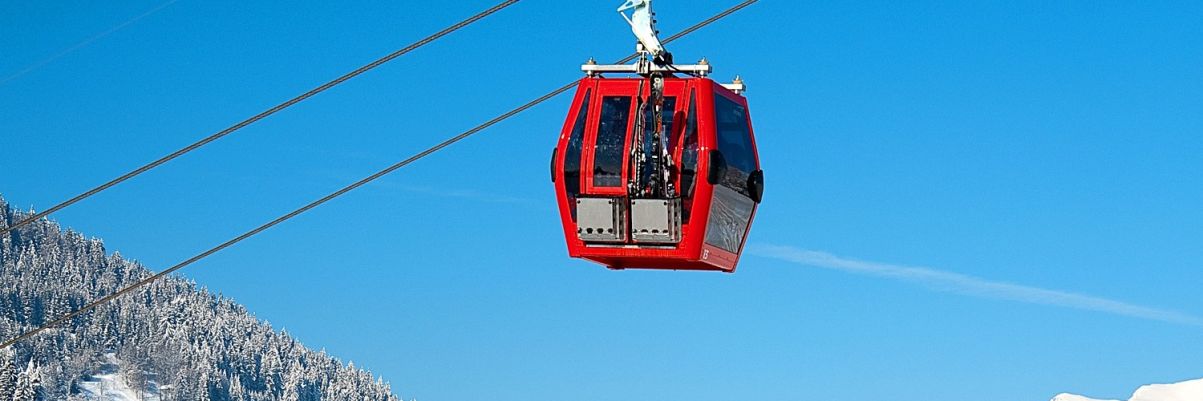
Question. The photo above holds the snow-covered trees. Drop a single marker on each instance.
(8, 374)
(170, 336)
(28, 384)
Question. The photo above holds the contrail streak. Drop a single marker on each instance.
(974, 286)
(84, 43)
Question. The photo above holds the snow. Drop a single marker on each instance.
(111, 385)
(1184, 391)
(1191, 390)
(1073, 397)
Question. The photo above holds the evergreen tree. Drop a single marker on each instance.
(170, 337)
(26, 385)
(8, 374)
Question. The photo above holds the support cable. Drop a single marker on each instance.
(260, 116)
(344, 190)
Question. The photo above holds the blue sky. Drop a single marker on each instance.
(1053, 147)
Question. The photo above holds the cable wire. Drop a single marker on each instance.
(259, 116)
(348, 188)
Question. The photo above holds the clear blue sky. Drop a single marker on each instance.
(1056, 146)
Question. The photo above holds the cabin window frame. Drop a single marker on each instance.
(687, 161)
(734, 141)
(606, 153)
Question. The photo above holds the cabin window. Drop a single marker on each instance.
(731, 204)
(735, 142)
(572, 155)
(689, 156)
(611, 141)
(670, 105)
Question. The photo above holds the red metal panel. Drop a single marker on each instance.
(692, 253)
(569, 225)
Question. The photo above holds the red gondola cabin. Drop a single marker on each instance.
(714, 174)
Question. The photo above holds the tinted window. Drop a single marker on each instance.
(689, 155)
(670, 104)
(572, 155)
(735, 142)
(730, 213)
(611, 140)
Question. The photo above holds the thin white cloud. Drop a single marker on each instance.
(458, 193)
(84, 43)
(974, 286)
(463, 194)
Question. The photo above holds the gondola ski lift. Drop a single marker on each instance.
(656, 169)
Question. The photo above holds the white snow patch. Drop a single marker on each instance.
(1185, 391)
(111, 385)
(1191, 390)
(1073, 397)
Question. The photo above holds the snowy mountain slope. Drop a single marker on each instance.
(110, 387)
(1191, 390)
(169, 336)
(109, 384)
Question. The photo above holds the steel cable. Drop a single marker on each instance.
(260, 116)
(348, 188)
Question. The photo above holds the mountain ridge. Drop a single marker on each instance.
(191, 343)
